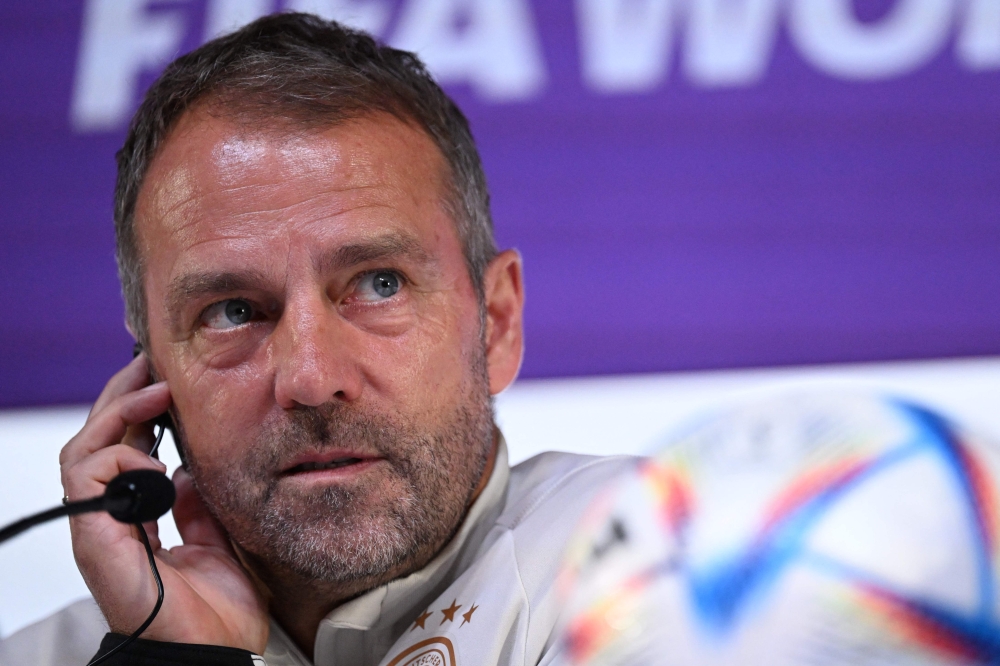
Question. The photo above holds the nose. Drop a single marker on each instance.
(313, 356)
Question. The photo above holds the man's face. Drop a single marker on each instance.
(311, 311)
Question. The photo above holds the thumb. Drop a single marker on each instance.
(194, 522)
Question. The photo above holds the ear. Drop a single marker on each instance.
(503, 287)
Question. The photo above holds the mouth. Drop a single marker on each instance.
(313, 463)
(317, 466)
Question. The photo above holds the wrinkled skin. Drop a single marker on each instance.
(308, 302)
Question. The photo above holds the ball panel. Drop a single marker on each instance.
(820, 529)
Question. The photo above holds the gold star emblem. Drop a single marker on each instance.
(449, 613)
(419, 622)
(467, 617)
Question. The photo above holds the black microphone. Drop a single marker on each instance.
(134, 497)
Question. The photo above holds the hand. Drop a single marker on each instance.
(208, 596)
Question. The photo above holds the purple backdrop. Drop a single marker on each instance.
(696, 184)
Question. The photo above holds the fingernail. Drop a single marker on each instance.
(158, 386)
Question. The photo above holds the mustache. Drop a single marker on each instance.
(327, 426)
(259, 469)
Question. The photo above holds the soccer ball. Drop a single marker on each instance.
(816, 529)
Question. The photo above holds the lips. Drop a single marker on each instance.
(314, 466)
(320, 462)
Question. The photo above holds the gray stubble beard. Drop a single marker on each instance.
(334, 536)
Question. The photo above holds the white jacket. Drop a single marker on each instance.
(487, 598)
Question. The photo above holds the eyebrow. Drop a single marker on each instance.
(197, 285)
(379, 247)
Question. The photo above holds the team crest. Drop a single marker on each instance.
(436, 651)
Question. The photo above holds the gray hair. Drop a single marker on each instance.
(301, 70)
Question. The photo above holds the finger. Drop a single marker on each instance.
(140, 437)
(194, 522)
(89, 477)
(109, 425)
(153, 534)
(96, 533)
(132, 377)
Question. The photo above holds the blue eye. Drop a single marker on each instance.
(228, 314)
(377, 286)
(238, 312)
(385, 284)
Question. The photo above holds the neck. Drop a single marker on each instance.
(300, 604)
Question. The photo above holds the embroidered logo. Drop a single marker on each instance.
(436, 651)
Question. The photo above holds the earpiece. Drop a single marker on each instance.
(163, 422)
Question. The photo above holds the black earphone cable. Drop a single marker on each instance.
(156, 576)
(156, 609)
(156, 444)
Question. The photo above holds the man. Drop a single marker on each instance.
(306, 254)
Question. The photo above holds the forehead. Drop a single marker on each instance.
(218, 178)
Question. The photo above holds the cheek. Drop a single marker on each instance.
(430, 366)
(219, 408)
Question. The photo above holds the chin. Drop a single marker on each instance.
(341, 536)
